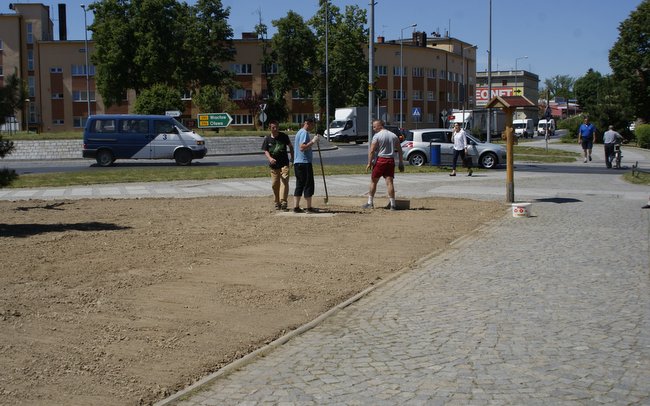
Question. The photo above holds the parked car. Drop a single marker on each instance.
(417, 148)
(401, 133)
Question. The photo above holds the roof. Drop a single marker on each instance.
(509, 101)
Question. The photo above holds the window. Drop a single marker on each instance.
(382, 94)
(295, 94)
(31, 86)
(417, 72)
(30, 59)
(1, 74)
(397, 93)
(159, 127)
(431, 95)
(135, 126)
(30, 33)
(80, 70)
(430, 117)
(58, 121)
(270, 69)
(242, 119)
(417, 94)
(435, 136)
(56, 69)
(187, 95)
(382, 70)
(396, 71)
(81, 95)
(240, 94)
(241, 68)
(300, 118)
(431, 73)
(443, 74)
(80, 122)
(57, 96)
(400, 117)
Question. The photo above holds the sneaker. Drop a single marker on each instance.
(452, 174)
(368, 206)
(311, 210)
(278, 206)
(590, 157)
(283, 206)
(470, 172)
(585, 161)
(297, 210)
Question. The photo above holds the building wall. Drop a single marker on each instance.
(510, 83)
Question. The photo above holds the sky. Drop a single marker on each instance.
(548, 38)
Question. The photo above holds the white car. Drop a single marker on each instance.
(418, 144)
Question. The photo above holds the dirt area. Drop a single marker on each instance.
(109, 302)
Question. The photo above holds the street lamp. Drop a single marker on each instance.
(516, 59)
(83, 6)
(464, 76)
(401, 72)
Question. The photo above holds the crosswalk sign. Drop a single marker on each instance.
(416, 112)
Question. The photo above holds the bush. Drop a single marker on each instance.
(642, 132)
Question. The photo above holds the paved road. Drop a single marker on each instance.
(551, 309)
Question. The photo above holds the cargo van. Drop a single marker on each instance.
(542, 125)
(524, 128)
(111, 137)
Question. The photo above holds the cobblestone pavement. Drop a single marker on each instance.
(550, 309)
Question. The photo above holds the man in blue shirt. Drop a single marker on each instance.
(302, 166)
(587, 137)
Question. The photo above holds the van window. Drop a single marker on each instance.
(164, 127)
(103, 126)
(134, 126)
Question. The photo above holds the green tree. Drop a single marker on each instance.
(629, 59)
(560, 86)
(276, 106)
(294, 49)
(12, 96)
(158, 99)
(140, 43)
(211, 99)
(348, 66)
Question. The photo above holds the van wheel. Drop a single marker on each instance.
(104, 158)
(183, 157)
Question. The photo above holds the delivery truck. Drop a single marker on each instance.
(349, 124)
(475, 121)
(524, 128)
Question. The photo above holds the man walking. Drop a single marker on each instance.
(384, 146)
(610, 139)
(275, 147)
(587, 137)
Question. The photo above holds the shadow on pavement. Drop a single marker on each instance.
(28, 230)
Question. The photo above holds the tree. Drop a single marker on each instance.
(211, 99)
(145, 42)
(158, 99)
(348, 66)
(12, 96)
(560, 86)
(601, 98)
(629, 59)
(293, 45)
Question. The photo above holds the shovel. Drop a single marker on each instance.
(322, 170)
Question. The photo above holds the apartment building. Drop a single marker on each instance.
(418, 80)
(510, 83)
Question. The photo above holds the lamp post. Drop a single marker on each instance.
(517, 59)
(401, 73)
(83, 6)
(464, 75)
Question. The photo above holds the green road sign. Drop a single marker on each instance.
(212, 120)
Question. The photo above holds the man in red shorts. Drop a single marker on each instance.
(384, 146)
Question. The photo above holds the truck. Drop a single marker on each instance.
(543, 125)
(349, 124)
(524, 128)
(475, 121)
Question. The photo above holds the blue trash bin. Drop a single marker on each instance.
(434, 154)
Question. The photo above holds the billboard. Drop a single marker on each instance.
(482, 93)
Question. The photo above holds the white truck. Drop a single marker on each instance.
(543, 125)
(524, 128)
(349, 124)
(475, 121)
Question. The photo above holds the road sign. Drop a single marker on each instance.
(173, 113)
(417, 112)
(263, 117)
(214, 120)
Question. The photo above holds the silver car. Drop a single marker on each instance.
(417, 148)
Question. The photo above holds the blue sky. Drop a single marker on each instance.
(559, 37)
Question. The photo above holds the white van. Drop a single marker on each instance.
(542, 125)
(129, 136)
(524, 128)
